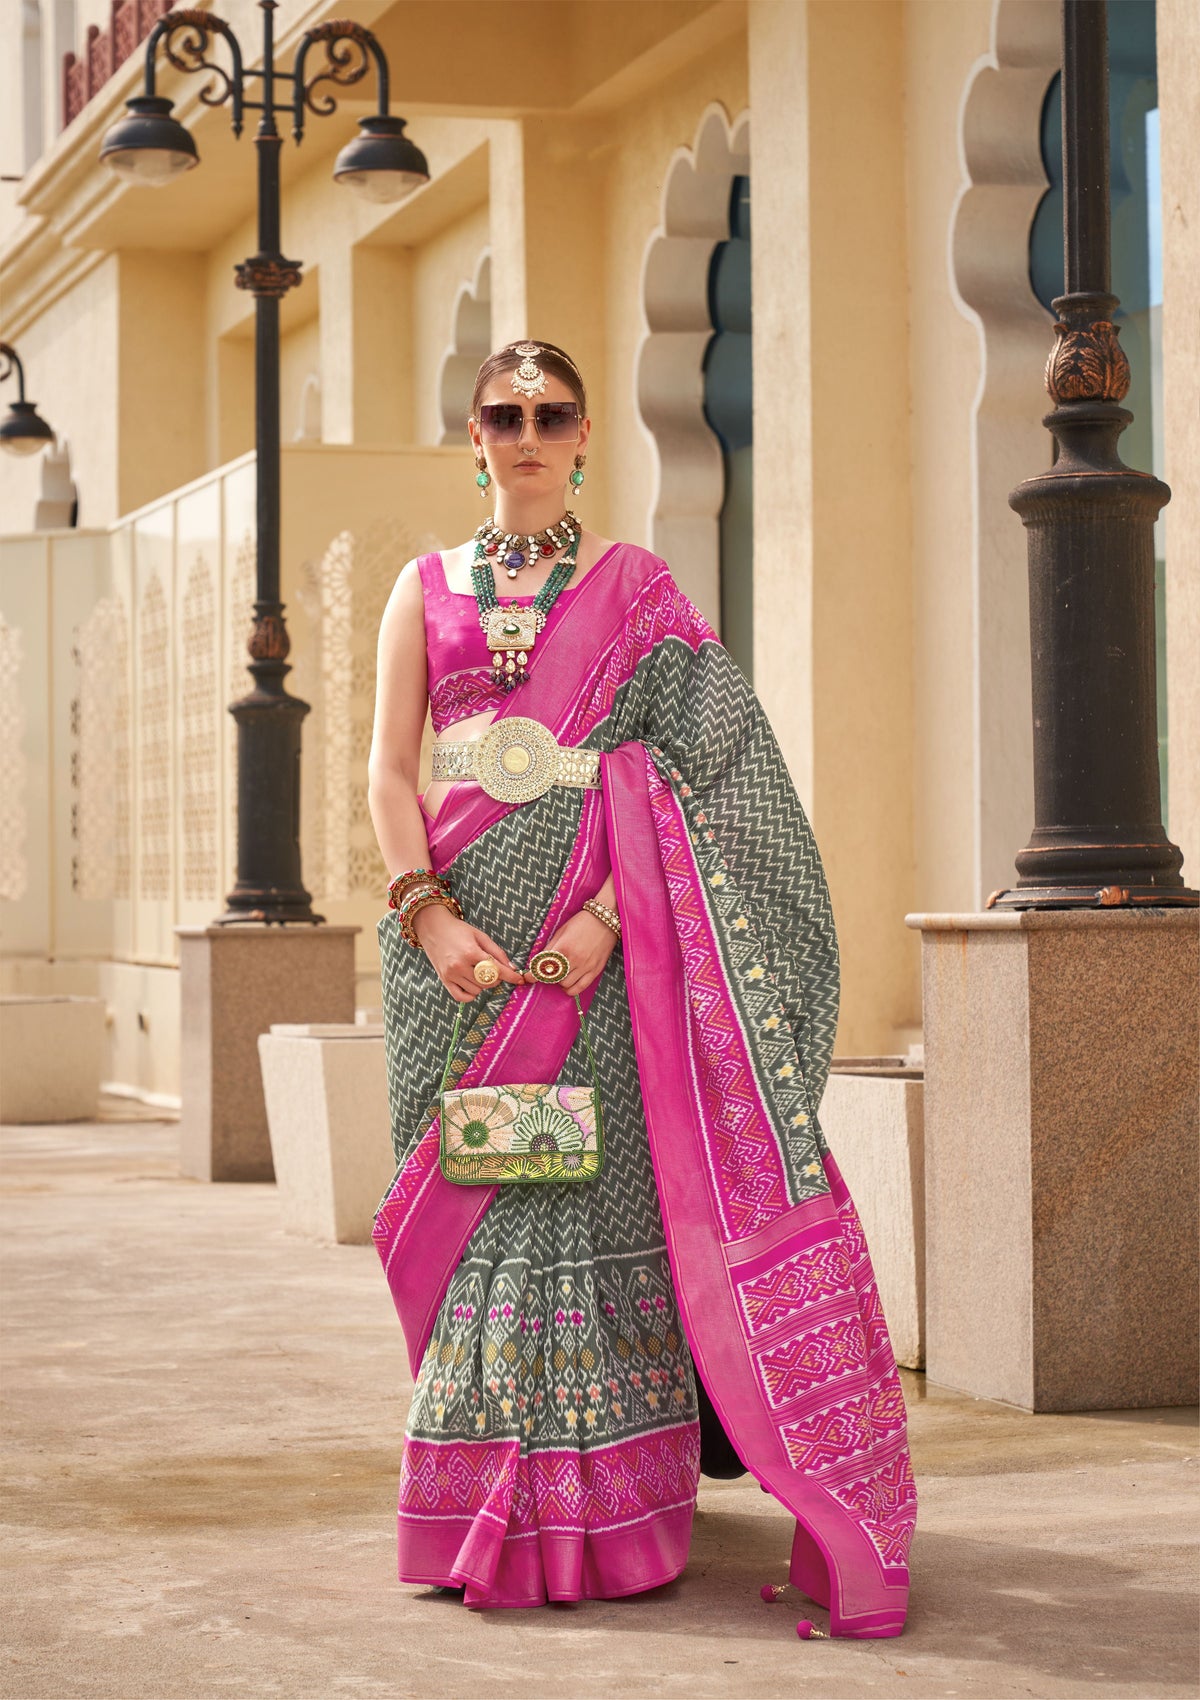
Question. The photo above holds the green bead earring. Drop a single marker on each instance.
(577, 475)
(482, 478)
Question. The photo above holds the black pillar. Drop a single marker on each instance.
(1098, 838)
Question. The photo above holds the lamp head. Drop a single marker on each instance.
(23, 431)
(381, 162)
(148, 146)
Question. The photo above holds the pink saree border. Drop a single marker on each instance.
(853, 1523)
(517, 1528)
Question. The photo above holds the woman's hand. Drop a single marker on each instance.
(454, 947)
(587, 944)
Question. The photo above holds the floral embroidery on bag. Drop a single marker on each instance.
(520, 1133)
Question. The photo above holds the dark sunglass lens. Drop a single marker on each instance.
(500, 422)
(557, 421)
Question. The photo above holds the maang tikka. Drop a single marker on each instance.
(528, 379)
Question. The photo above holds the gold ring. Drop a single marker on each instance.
(486, 972)
(549, 967)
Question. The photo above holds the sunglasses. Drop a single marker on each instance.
(501, 422)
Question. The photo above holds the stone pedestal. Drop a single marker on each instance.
(51, 1058)
(327, 1105)
(235, 982)
(872, 1116)
(1061, 1089)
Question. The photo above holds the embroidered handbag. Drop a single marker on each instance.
(497, 1134)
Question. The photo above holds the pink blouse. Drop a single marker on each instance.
(462, 679)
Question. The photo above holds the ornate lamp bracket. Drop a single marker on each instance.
(268, 275)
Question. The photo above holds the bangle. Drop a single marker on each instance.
(423, 900)
(412, 878)
(602, 912)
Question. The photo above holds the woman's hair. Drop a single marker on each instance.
(552, 359)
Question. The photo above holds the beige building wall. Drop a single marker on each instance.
(70, 350)
(439, 267)
(861, 516)
(897, 372)
(942, 45)
(833, 514)
(160, 424)
(1179, 94)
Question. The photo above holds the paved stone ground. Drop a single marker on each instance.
(202, 1428)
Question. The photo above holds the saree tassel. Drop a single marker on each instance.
(806, 1629)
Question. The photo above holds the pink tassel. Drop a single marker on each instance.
(809, 1632)
(772, 1591)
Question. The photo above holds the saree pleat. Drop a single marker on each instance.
(552, 1447)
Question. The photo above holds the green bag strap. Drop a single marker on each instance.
(582, 1027)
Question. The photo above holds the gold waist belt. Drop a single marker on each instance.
(517, 760)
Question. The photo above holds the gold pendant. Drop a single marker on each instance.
(511, 628)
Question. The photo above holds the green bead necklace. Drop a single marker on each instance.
(512, 631)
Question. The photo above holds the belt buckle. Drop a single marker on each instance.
(516, 759)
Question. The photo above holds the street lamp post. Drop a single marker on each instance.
(23, 431)
(1098, 840)
(151, 147)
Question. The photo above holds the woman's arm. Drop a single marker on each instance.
(400, 707)
(401, 699)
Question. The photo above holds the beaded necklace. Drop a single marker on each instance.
(518, 549)
(511, 632)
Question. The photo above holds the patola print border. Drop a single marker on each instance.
(593, 1490)
(813, 1405)
(755, 1062)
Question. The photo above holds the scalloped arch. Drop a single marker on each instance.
(470, 345)
(1003, 181)
(689, 483)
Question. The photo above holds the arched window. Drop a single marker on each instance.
(729, 409)
(693, 375)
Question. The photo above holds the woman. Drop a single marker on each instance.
(566, 1340)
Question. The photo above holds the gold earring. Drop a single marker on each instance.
(482, 477)
(577, 475)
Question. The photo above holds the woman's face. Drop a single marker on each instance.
(530, 466)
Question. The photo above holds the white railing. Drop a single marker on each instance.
(120, 651)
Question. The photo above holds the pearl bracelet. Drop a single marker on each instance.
(603, 913)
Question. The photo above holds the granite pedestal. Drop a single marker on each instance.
(235, 983)
(1061, 1091)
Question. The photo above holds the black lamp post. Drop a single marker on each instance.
(1098, 840)
(23, 431)
(151, 147)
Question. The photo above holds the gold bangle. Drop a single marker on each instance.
(425, 900)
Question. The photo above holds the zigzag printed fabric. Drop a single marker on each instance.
(552, 1444)
(558, 1356)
